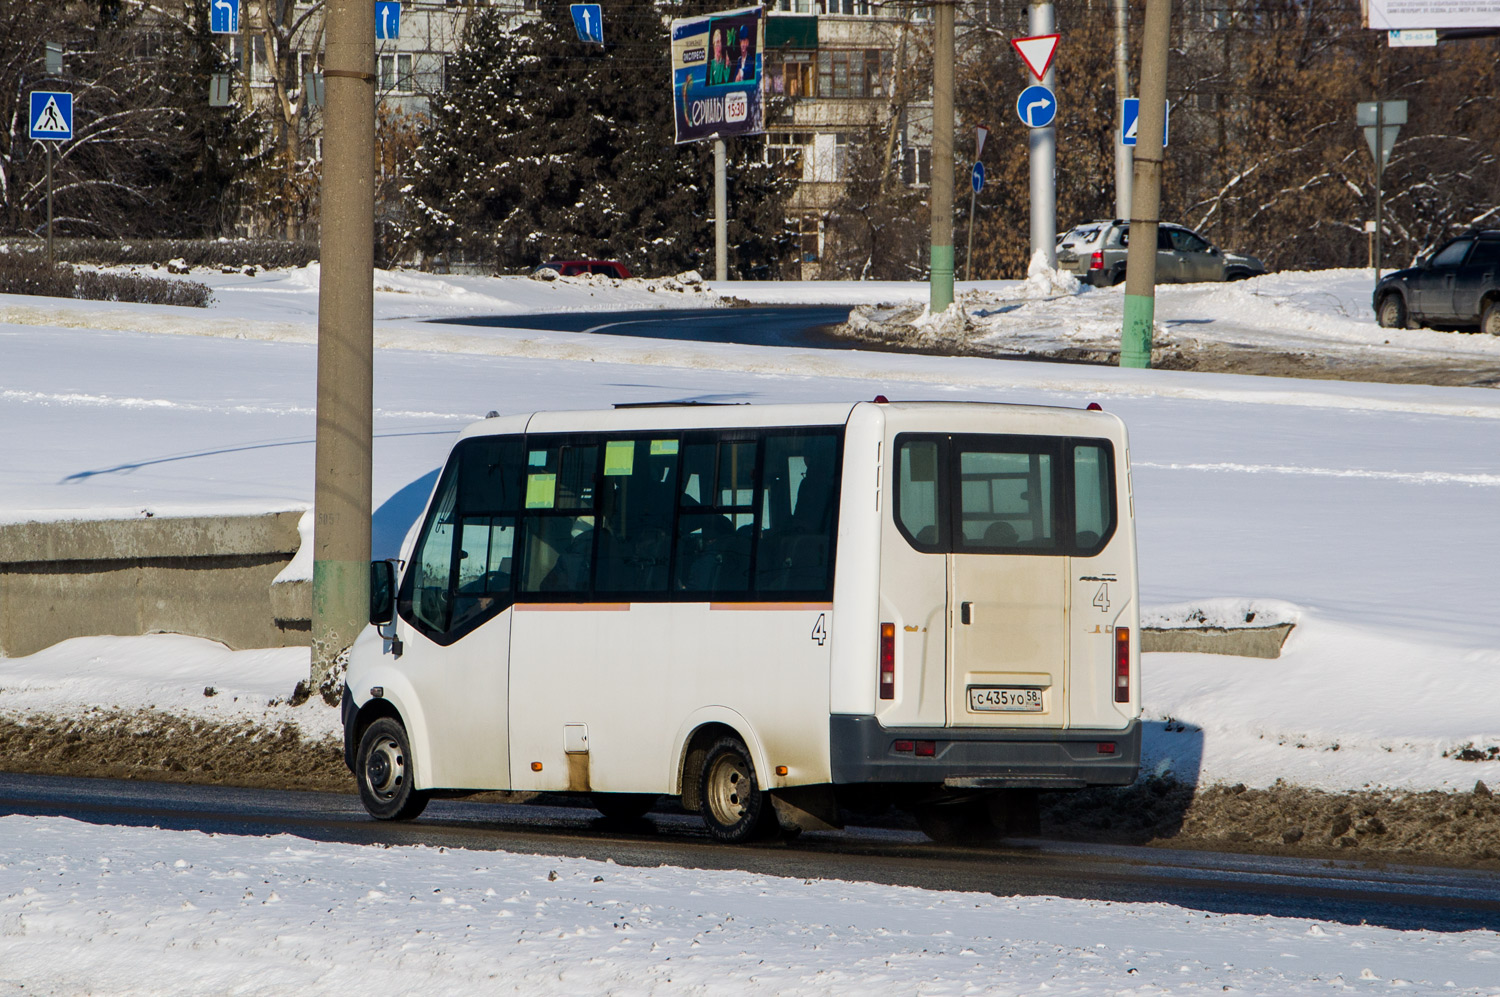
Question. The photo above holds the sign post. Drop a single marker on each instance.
(716, 92)
(51, 120)
(976, 184)
(1381, 120)
(1037, 108)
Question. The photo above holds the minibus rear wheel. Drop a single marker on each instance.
(733, 805)
(383, 768)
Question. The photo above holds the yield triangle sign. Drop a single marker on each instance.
(1037, 53)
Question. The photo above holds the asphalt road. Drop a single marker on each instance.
(1393, 896)
(791, 325)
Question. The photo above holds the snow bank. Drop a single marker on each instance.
(105, 910)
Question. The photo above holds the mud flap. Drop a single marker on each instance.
(807, 808)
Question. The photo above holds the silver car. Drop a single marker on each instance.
(1096, 252)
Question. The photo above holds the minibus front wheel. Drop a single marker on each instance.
(383, 768)
(732, 803)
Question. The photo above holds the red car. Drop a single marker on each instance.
(577, 268)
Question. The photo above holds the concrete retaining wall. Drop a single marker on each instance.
(1245, 642)
(215, 577)
(205, 576)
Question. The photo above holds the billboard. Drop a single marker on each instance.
(1394, 15)
(716, 74)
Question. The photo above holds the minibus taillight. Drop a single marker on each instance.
(888, 661)
(1122, 664)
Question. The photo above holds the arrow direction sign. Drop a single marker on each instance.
(388, 19)
(224, 17)
(588, 21)
(1132, 116)
(51, 115)
(1037, 53)
(1036, 107)
(976, 178)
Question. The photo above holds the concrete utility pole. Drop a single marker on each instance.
(1122, 90)
(941, 190)
(346, 308)
(1140, 264)
(1044, 153)
(721, 213)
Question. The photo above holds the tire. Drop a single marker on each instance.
(1392, 313)
(732, 804)
(383, 769)
(1116, 276)
(623, 807)
(1489, 317)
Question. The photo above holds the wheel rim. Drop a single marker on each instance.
(385, 769)
(730, 784)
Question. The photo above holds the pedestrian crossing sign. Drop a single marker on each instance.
(51, 115)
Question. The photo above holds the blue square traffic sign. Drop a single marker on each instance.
(588, 21)
(1132, 122)
(51, 115)
(224, 17)
(388, 19)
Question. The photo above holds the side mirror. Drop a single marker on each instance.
(382, 593)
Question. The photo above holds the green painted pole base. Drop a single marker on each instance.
(341, 610)
(942, 278)
(1135, 337)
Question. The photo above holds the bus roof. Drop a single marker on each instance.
(674, 416)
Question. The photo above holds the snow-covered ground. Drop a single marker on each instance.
(1364, 513)
(87, 910)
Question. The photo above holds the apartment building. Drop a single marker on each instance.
(839, 66)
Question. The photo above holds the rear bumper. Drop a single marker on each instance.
(863, 751)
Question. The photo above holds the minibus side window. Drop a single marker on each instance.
(800, 491)
(636, 497)
(558, 529)
(716, 516)
(462, 561)
(432, 562)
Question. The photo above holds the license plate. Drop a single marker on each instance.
(1004, 699)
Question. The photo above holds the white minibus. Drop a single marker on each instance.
(779, 614)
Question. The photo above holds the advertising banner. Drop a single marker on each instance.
(1396, 15)
(716, 74)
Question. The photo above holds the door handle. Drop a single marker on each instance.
(966, 612)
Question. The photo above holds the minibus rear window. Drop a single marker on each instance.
(1004, 494)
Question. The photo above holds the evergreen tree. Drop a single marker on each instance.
(546, 147)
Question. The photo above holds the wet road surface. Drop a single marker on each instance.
(1389, 895)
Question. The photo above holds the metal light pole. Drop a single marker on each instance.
(1140, 263)
(941, 190)
(1044, 153)
(721, 213)
(346, 307)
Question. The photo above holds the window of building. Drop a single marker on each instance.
(788, 149)
(792, 73)
(858, 7)
(853, 72)
(916, 166)
(395, 72)
(796, 6)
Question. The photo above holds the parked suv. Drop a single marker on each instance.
(577, 268)
(1457, 286)
(1096, 253)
